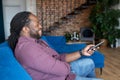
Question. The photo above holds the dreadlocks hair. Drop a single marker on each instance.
(17, 23)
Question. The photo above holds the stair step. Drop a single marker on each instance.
(71, 15)
(54, 26)
(77, 11)
(63, 21)
(91, 2)
(47, 32)
(84, 6)
(64, 18)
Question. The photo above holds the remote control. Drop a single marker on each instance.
(97, 45)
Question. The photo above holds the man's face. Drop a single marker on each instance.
(34, 27)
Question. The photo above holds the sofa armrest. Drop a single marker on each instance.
(98, 59)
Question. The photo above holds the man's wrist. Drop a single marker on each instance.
(80, 52)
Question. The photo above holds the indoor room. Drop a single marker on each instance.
(66, 26)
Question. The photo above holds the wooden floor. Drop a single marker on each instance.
(111, 71)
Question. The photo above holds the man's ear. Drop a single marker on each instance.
(25, 29)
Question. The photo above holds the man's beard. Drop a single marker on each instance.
(36, 36)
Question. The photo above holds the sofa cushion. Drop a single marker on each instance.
(10, 69)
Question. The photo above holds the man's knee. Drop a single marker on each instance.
(82, 66)
(83, 62)
(88, 62)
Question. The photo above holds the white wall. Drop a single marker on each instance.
(11, 7)
(31, 6)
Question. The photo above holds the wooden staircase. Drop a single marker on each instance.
(69, 16)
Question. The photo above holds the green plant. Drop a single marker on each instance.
(105, 21)
(67, 36)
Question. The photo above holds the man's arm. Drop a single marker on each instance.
(73, 56)
(76, 55)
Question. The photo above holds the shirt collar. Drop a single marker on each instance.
(22, 38)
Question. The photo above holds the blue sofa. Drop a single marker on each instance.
(10, 69)
(58, 43)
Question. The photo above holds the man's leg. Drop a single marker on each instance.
(83, 68)
(83, 78)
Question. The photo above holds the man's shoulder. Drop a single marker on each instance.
(26, 43)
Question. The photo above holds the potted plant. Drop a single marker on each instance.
(67, 36)
(104, 20)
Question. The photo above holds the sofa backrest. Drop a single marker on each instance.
(56, 40)
(10, 69)
(4, 44)
(44, 38)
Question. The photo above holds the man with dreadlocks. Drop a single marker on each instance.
(41, 61)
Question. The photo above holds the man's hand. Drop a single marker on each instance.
(86, 51)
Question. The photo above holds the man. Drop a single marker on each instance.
(42, 62)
